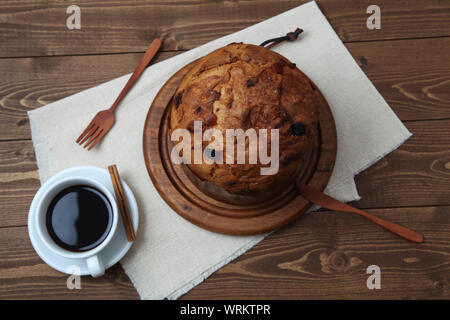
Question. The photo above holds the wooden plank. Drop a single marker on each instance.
(416, 86)
(412, 75)
(28, 83)
(19, 181)
(325, 255)
(24, 275)
(417, 174)
(38, 28)
(315, 257)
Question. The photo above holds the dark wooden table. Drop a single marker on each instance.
(322, 255)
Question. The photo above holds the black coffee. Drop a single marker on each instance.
(79, 218)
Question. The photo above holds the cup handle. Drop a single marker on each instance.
(95, 266)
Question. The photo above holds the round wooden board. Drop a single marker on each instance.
(183, 196)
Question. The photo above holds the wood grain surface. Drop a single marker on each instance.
(322, 255)
(417, 86)
(38, 28)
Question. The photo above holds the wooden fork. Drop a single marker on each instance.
(104, 120)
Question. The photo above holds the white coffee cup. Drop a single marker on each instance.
(92, 257)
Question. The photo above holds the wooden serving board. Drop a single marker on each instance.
(182, 194)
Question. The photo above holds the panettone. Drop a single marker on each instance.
(243, 86)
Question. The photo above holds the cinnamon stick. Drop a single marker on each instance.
(122, 202)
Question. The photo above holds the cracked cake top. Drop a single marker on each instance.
(244, 86)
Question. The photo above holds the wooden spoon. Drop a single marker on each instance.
(328, 202)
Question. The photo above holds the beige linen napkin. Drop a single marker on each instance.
(172, 255)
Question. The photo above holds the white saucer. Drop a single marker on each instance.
(113, 252)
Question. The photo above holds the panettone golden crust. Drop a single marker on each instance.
(242, 86)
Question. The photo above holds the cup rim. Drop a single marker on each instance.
(58, 186)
